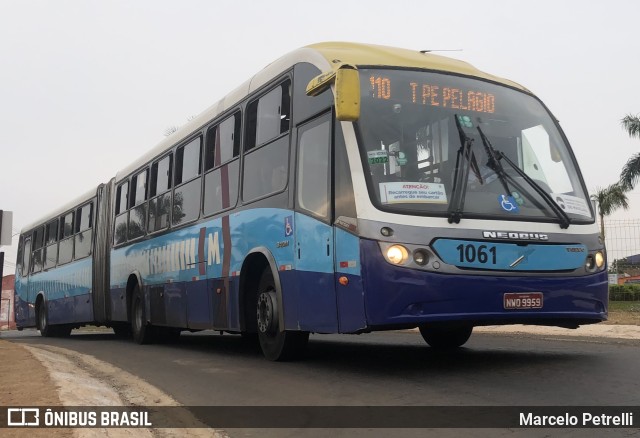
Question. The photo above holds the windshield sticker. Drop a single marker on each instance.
(508, 204)
(401, 159)
(519, 199)
(412, 192)
(572, 204)
(378, 157)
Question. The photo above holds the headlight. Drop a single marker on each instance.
(599, 258)
(595, 261)
(397, 254)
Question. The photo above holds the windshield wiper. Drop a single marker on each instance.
(494, 164)
(461, 176)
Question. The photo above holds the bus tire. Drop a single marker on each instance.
(141, 331)
(46, 329)
(276, 344)
(445, 336)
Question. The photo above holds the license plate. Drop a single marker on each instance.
(530, 300)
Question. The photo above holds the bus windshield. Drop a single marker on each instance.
(428, 138)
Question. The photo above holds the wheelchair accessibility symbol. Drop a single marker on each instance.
(508, 204)
(288, 226)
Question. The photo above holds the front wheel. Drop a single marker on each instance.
(276, 344)
(445, 336)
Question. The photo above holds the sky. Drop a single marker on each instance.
(88, 86)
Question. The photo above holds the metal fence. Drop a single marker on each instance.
(622, 238)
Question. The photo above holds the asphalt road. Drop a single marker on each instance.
(393, 368)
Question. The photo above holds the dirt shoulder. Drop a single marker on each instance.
(625, 313)
(24, 381)
(61, 377)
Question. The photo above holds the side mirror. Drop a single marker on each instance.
(347, 91)
(347, 94)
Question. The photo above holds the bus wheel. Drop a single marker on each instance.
(446, 336)
(276, 344)
(45, 328)
(141, 331)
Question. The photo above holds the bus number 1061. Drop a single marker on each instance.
(482, 254)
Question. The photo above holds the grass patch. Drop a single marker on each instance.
(624, 306)
(624, 312)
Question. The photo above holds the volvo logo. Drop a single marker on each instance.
(524, 257)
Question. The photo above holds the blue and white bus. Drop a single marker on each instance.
(345, 188)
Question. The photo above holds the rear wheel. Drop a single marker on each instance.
(141, 331)
(446, 336)
(47, 330)
(276, 344)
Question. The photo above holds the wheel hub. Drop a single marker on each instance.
(267, 312)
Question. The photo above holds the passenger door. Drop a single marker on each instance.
(314, 256)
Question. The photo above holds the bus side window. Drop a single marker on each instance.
(122, 203)
(269, 116)
(266, 161)
(65, 249)
(26, 256)
(36, 259)
(83, 235)
(138, 213)
(51, 242)
(186, 198)
(160, 194)
(222, 166)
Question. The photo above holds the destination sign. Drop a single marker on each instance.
(432, 94)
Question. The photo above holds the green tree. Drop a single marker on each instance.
(609, 200)
(631, 171)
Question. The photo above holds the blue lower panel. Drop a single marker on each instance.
(83, 308)
(118, 303)
(199, 305)
(350, 304)
(60, 310)
(311, 297)
(401, 296)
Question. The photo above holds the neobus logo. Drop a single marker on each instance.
(514, 235)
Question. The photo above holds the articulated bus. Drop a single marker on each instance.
(345, 188)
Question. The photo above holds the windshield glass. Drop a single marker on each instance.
(417, 129)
